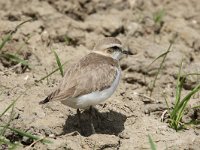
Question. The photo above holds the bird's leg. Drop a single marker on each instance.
(91, 121)
(79, 120)
(97, 115)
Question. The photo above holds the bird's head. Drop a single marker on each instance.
(110, 47)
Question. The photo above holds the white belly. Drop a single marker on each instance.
(95, 98)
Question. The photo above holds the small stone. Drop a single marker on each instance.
(108, 141)
(52, 135)
(124, 135)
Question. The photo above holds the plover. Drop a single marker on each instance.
(92, 79)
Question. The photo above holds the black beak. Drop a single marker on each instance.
(127, 52)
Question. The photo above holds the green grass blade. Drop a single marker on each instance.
(10, 106)
(165, 98)
(67, 39)
(195, 107)
(29, 135)
(19, 25)
(2, 132)
(47, 76)
(15, 58)
(50, 73)
(11, 146)
(179, 86)
(5, 40)
(184, 102)
(58, 63)
(9, 35)
(163, 54)
(179, 110)
(192, 74)
(179, 91)
(180, 83)
(181, 103)
(189, 95)
(160, 67)
(152, 144)
(158, 16)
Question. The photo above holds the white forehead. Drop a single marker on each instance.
(111, 45)
(107, 43)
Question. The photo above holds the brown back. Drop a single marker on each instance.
(94, 72)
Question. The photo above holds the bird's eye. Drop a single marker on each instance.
(110, 50)
(115, 48)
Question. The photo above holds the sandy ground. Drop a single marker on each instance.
(71, 28)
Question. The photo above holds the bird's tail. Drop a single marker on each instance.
(50, 97)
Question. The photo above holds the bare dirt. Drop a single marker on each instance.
(71, 28)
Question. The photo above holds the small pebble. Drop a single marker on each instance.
(52, 135)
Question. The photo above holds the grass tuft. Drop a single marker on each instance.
(29, 135)
(180, 103)
(15, 58)
(4, 142)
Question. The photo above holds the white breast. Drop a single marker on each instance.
(97, 97)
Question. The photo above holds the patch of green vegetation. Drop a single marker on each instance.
(67, 40)
(158, 16)
(12, 57)
(15, 58)
(58, 63)
(4, 141)
(152, 144)
(8, 37)
(180, 105)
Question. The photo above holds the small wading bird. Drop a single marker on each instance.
(92, 79)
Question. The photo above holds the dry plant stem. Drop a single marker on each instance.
(145, 96)
(29, 147)
(159, 69)
(163, 115)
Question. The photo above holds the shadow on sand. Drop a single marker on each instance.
(104, 123)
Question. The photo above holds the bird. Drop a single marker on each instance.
(91, 80)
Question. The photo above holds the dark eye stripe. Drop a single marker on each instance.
(116, 48)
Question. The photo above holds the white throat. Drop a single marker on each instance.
(117, 55)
